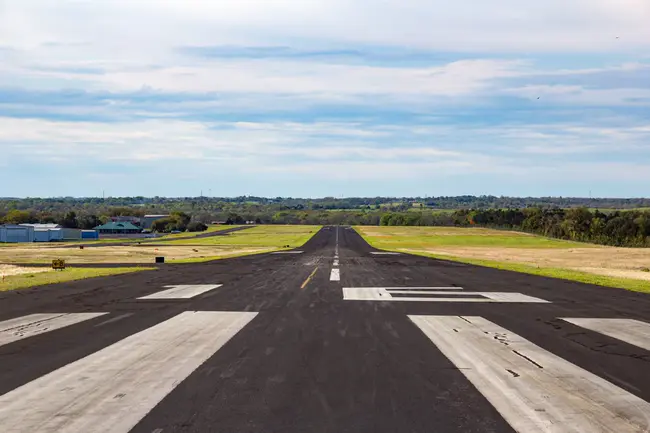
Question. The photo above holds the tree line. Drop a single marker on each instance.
(618, 228)
(630, 228)
(151, 205)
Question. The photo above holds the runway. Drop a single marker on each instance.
(334, 337)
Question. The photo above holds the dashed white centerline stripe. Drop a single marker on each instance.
(113, 389)
(534, 390)
(35, 324)
(335, 275)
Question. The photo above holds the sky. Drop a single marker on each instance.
(314, 98)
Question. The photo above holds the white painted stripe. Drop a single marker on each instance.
(35, 324)
(288, 252)
(114, 319)
(335, 275)
(336, 262)
(384, 253)
(409, 289)
(381, 294)
(414, 292)
(631, 331)
(533, 389)
(183, 292)
(113, 389)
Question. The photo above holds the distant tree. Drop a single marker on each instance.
(196, 226)
(162, 225)
(18, 217)
(69, 221)
(88, 222)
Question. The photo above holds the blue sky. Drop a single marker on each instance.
(317, 98)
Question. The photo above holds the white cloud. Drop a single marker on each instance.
(473, 25)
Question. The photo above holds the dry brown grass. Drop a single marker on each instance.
(10, 270)
(608, 261)
(116, 254)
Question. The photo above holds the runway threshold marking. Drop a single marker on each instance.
(113, 389)
(182, 291)
(630, 331)
(533, 389)
(35, 324)
(440, 295)
(309, 278)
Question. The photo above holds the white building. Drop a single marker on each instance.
(13, 233)
(46, 232)
(48, 226)
(48, 235)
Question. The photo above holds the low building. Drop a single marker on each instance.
(48, 232)
(10, 233)
(48, 235)
(148, 220)
(114, 228)
(71, 234)
(90, 235)
(48, 226)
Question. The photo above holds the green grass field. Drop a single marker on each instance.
(432, 237)
(463, 239)
(211, 229)
(260, 236)
(225, 256)
(565, 274)
(25, 281)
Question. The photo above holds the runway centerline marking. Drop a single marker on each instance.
(630, 331)
(113, 389)
(182, 291)
(382, 294)
(534, 390)
(335, 275)
(309, 278)
(28, 326)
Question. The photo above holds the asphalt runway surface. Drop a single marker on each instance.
(335, 337)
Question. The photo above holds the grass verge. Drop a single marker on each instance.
(405, 240)
(24, 281)
(225, 256)
(261, 236)
(565, 274)
(432, 237)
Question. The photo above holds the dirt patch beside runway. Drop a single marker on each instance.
(10, 270)
(119, 254)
